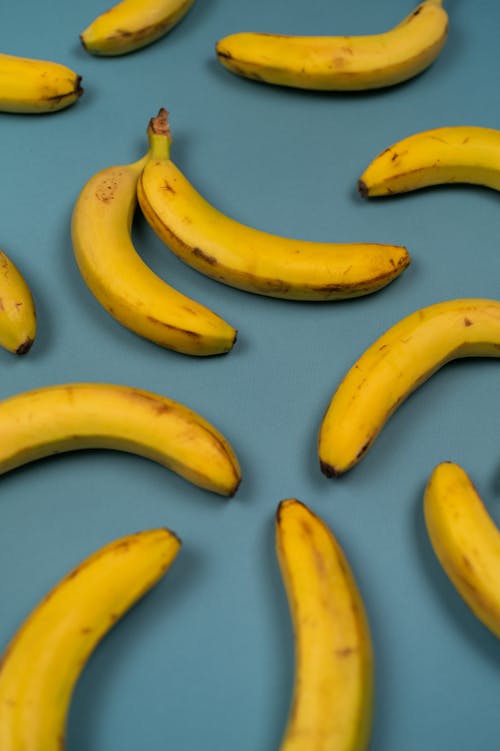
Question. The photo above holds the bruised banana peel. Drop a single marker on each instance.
(250, 259)
(66, 417)
(333, 694)
(456, 154)
(31, 86)
(42, 663)
(340, 63)
(132, 24)
(466, 541)
(394, 366)
(124, 285)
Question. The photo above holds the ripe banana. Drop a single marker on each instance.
(332, 700)
(246, 258)
(132, 24)
(395, 365)
(457, 154)
(36, 86)
(17, 309)
(465, 540)
(123, 283)
(340, 63)
(43, 662)
(54, 419)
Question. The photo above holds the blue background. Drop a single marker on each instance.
(206, 659)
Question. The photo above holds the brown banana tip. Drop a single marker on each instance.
(328, 470)
(362, 188)
(78, 86)
(25, 346)
(235, 487)
(159, 124)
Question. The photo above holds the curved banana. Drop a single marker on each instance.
(17, 309)
(395, 365)
(132, 24)
(340, 63)
(123, 283)
(332, 700)
(246, 258)
(54, 419)
(465, 540)
(457, 154)
(36, 86)
(44, 660)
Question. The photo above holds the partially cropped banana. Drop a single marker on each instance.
(17, 309)
(465, 540)
(54, 419)
(340, 63)
(132, 24)
(332, 701)
(246, 258)
(126, 287)
(395, 365)
(456, 154)
(41, 665)
(36, 86)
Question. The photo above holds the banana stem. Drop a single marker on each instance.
(159, 136)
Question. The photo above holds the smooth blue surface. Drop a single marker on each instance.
(206, 660)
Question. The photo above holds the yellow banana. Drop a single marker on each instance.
(43, 662)
(17, 309)
(132, 24)
(395, 365)
(457, 154)
(246, 258)
(340, 63)
(123, 283)
(36, 86)
(465, 540)
(54, 419)
(332, 700)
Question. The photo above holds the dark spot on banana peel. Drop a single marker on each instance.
(24, 347)
(167, 186)
(466, 561)
(394, 156)
(157, 405)
(199, 253)
(417, 11)
(345, 651)
(224, 54)
(468, 322)
(85, 630)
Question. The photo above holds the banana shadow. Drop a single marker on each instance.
(458, 613)
(96, 682)
(280, 632)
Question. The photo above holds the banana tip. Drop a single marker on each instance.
(328, 470)
(362, 188)
(25, 346)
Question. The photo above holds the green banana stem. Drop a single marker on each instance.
(159, 136)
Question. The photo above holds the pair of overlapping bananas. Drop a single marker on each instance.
(332, 701)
